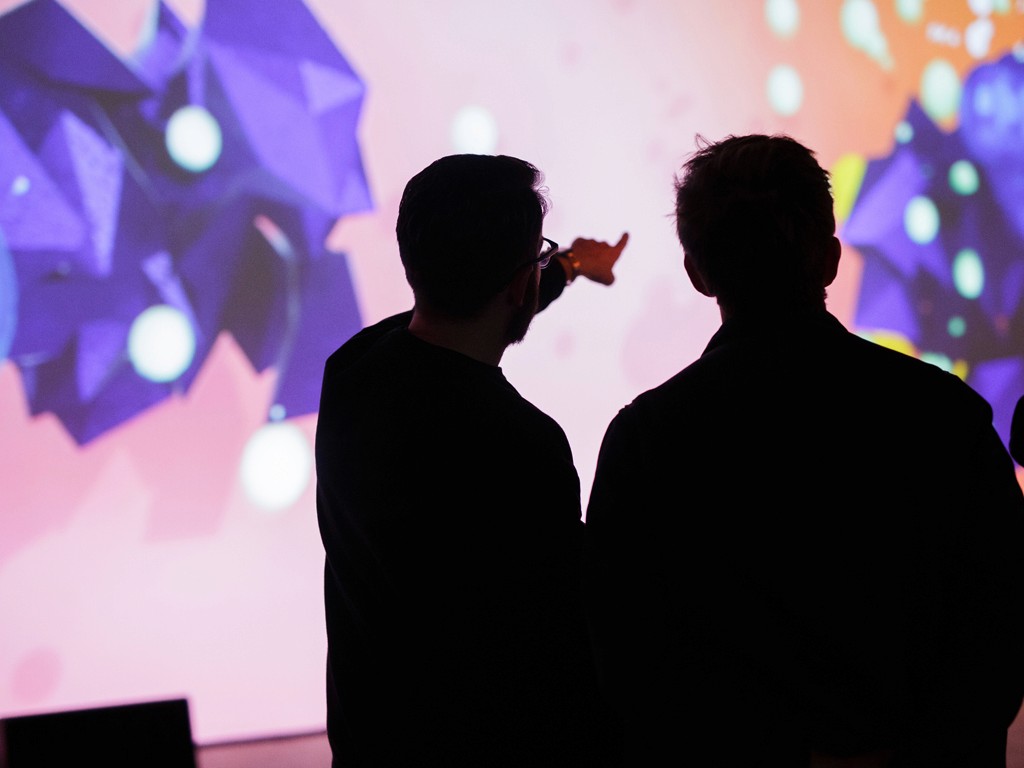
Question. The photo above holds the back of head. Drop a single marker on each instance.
(755, 217)
(465, 223)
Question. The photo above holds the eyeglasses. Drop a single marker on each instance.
(544, 257)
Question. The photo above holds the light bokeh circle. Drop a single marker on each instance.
(277, 466)
(193, 138)
(785, 90)
(783, 17)
(941, 90)
(921, 219)
(963, 177)
(474, 131)
(161, 343)
(968, 273)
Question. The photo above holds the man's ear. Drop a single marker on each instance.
(831, 266)
(695, 277)
(517, 288)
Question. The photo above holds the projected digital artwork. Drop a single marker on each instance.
(197, 206)
(940, 223)
(153, 203)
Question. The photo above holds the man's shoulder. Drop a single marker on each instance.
(913, 379)
(364, 340)
(852, 367)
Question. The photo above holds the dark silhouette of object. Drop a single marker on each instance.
(1017, 432)
(150, 733)
(804, 548)
(449, 505)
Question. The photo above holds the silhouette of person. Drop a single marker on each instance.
(449, 505)
(1017, 432)
(803, 548)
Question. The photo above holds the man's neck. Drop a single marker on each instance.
(772, 312)
(478, 337)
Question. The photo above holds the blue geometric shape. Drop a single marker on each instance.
(327, 88)
(8, 299)
(102, 223)
(98, 169)
(1002, 381)
(992, 127)
(908, 287)
(44, 39)
(328, 309)
(101, 346)
(34, 212)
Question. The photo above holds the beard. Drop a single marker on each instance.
(519, 324)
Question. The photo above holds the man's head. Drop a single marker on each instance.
(466, 225)
(754, 216)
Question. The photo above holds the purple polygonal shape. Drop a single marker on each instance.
(96, 170)
(293, 139)
(45, 39)
(159, 268)
(296, 32)
(974, 315)
(167, 50)
(104, 390)
(101, 345)
(878, 216)
(981, 226)
(264, 310)
(1001, 381)
(34, 213)
(1010, 289)
(885, 302)
(106, 224)
(327, 317)
(54, 387)
(992, 127)
(302, 60)
(62, 289)
(8, 299)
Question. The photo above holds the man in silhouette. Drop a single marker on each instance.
(449, 505)
(804, 548)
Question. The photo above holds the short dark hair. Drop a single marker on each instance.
(755, 216)
(464, 224)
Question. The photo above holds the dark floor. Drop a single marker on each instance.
(304, 751)
(312, 751)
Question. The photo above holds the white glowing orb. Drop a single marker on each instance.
(785, 90)
(161, 343)
(963, 177)
(859, 21)
(910, 11)
(981, 7)
(978, 37)
(474, 131)
(904, 132)
(193, 138)
(277, 466)
(940, 90)
(277, 412)
(921, 220)
(20, 185)
(783, 16)
(938, 359)
(968, 273)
